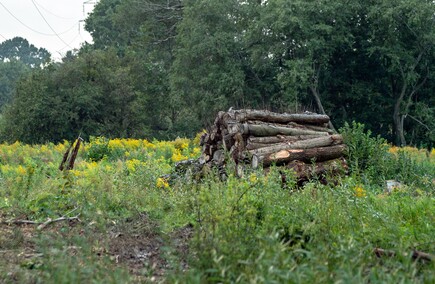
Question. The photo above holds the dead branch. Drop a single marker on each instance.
(419, 255)
(49, 221)
(415, 255)
(42, 225)
(19, 222)
(74, 154)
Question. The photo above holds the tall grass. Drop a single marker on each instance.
(249, 229)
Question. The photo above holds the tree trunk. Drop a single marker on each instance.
(284, 156)
(300, 145)
(267, 116)
(316, 96)
(271, 130)
(398, 120)
(312, 127)
(279, 138)
(252, 143)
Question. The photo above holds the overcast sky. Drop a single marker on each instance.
(62, 17)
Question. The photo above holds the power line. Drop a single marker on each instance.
(32, 29)
(51, 13)
(68, 30)
(3, 37)
(21, 22)
(36, 7)
(72, 41)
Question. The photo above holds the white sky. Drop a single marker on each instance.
(64, 16)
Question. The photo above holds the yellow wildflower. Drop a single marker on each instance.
(253, 178)
(195, 152)
(198, 137)
(132, 165)
(132, 143)
(21, 170)
(91, 165)
(115, 144)
(44, 149)
(61, 148)
(6, 169)
(76, 173)
(181, 143)
(359, 191)
(177, 156)
(162, 183)
(147, 144)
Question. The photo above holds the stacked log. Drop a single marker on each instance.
(264, 138)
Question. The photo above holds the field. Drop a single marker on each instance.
(114, 219)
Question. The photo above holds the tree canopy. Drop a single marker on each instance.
(159, 68)
(20, 49)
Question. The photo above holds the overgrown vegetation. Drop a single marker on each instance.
(135, 227)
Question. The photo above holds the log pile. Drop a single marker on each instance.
(263, 138)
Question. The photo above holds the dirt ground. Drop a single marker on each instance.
(135, 244)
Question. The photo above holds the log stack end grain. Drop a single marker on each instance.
(262, 138)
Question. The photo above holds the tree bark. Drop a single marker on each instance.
(300, 145)
(316, 95)
(271, 130)
(267, 116)
(306, 155)
(312, 127)
(279, 138)
(272, 140)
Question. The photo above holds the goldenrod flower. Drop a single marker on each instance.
(115, 144)
(359, 191)
(177, 156)
(21, 170)
(198, 137)
(181, 143)
(146, 144)
(253, 178)
(132, 165)
(162, 183)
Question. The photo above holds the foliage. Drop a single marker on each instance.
(10, 73)
(19, 49)
(17, 58)
(247, 229)
(372, 159)
(363, 149)
(162, 69)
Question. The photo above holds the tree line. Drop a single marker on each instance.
(163, 68)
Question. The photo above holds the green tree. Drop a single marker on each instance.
(91, 94)
(143, 33)
(10, 73)
(19, 49)
(207, 73)
(403, 37)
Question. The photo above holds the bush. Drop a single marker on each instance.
(98, 149)
(364, 151)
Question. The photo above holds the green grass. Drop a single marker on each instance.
(243, 230)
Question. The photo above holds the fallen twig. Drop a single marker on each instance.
(63, 218)
(416, 255)
(419, 255)
(42, 225)
(19, 222)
